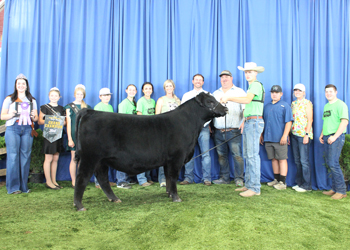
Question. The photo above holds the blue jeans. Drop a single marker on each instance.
(204, 145)
(301, 159)
(161, 176)
(332, 153)
(235, 146)
(144, 177)
(122, 178)
(19, 147)
(251, 146)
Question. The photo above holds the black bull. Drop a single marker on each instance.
(134, 144)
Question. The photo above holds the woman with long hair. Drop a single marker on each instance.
(20, 112)
(71, 112)
(165, 104)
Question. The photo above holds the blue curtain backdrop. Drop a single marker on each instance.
(106, 43)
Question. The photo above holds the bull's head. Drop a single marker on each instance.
(209, 102)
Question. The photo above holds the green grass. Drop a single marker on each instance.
(213, 217)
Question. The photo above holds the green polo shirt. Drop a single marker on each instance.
(255, 108)
(332, 115)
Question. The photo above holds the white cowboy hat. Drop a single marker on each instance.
(251, 66)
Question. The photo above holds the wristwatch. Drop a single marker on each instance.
(307, 134)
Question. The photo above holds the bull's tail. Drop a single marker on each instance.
(80, 115)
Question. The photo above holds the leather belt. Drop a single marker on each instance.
(226, 130)
(252, 117)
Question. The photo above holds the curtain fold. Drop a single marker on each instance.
(114, 43)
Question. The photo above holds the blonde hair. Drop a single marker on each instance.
(55, 90)
(172, 83)
(83, 104)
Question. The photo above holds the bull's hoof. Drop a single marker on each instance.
(74, 205)
(177, 200)
(81, 209)
(115, 201)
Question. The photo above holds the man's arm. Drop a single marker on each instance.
(341, 128)
(243, 100)
(284, 138)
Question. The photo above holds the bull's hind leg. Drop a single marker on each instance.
(171, 179)
(102, 177)
(84, 174)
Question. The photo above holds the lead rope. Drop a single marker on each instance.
(220, 143)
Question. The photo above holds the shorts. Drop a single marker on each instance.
(276, 151)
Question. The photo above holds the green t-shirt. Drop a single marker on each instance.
(332, 115)
(255, 108)
(104, 107)
(146, 106)
(127, 107)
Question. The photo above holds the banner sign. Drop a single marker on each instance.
(53, 127)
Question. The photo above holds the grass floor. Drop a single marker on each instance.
(212, 217)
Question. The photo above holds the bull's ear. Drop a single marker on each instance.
(199, 99)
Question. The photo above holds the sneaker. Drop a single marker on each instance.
(221, 181)
(112, 184)
(207, 183)
(185, 183)
(131, 182)
(272, 183)
(124, 185)
(146, 184)
(239, 183)
(150, 182)
(280, 186)
(163, 184)
(295, 187)
(98, 186)
(301, 190)
(248, 193)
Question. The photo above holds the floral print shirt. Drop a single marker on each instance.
(300, 118)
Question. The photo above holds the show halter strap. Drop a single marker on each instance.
(33, 132)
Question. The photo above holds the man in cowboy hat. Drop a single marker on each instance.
(253, 127)
(232, 129)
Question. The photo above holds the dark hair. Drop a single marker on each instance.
(331, 86)
(14, 95)
(145, 83)
(198, 75)
(133, 99)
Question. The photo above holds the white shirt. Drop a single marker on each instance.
(192, 94)
(234, 118)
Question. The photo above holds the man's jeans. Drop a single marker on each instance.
(122, 178)
(144, 177)
(19, 147)
(251, 146)
(161, 176)
(235, 146)
(204, 145)
(332, 153)
(301, 159)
